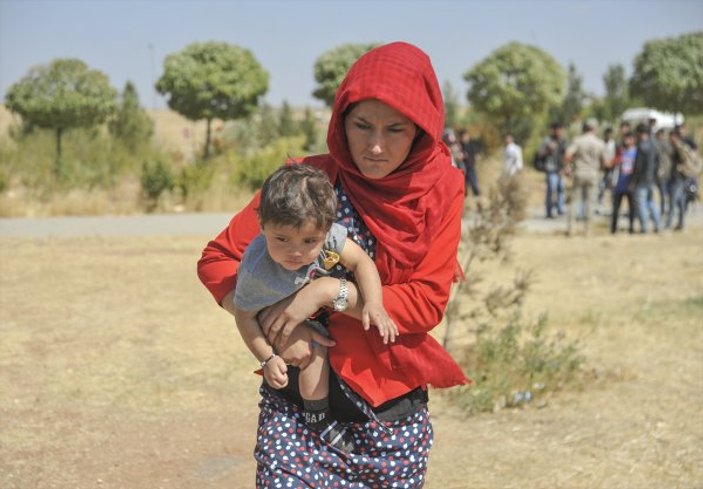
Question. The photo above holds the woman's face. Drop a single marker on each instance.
(379, 137)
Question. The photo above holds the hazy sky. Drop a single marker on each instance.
(129, 39)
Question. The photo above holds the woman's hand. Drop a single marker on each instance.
(280, 320)
(298, 350)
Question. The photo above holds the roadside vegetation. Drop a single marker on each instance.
(75, 146)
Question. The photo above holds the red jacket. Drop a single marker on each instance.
(414, 214)
(374, 370)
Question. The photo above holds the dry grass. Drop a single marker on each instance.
(117, 370)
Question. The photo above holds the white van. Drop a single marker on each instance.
(665, 120)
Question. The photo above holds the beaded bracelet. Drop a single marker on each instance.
(263, 364)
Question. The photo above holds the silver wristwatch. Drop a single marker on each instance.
(340, 303)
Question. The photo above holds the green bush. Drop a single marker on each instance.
(91, 159)
(195, 180)
(155, 180)
(516, 364)
(510, 361)
(253, 168)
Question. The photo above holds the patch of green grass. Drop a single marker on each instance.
(658, 311)
(694, 303)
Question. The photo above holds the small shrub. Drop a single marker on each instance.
(4, 180)
(155, 180)
(254, 167)
(511, 362)
(195, 181)
(516, 364)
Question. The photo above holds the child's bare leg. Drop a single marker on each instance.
(314, 378)
(314, 389)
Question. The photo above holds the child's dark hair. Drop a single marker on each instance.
(295, 194)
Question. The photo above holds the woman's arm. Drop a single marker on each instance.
(280, 320)
(220, 260)
(418, 304)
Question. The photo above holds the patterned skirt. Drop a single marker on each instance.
(289, 455)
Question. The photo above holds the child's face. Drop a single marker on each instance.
(292, 247)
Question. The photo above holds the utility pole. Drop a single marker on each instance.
(153, 79)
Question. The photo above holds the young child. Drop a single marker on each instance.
(299, 241)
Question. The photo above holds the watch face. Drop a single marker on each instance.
(340, 305)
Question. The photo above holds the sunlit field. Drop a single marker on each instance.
(117, 370)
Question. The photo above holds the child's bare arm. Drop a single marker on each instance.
(368, 282)
(250, 331)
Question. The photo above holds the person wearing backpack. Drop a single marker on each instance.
(685, 165)
(691, 189)
(550, 160)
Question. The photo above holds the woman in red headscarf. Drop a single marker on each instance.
(401, 200)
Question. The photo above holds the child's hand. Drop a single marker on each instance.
(375, 314)
(276, 373)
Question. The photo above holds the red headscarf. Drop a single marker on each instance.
(401, 208)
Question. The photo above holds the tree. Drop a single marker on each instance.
(286, 123)
(668, 74)
(515, 85)
(451, 105)
(213, 80)
(308, 126)
(267, 125)
(131, 124)
(332, 66)
(62, 95)
(617, 94)
(571, 106)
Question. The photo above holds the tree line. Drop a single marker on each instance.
(517, 88)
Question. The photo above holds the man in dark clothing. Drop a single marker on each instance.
(551, 157)
(691, 184)
(681, 172)
(663, 147)
(644, 178)
(470, 152)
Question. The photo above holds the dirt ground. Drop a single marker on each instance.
(117, 370)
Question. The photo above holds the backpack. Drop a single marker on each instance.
(539, 161)
(691, 161)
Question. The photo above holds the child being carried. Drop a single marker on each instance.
(299, 241)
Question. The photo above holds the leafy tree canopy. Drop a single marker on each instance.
(332, 66)
(213, 80)
(668, 74)
(62, 95)
(514, 84)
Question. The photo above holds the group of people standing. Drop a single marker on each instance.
(642, 162)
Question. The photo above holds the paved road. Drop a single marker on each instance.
(207, 224)
(204, 224)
